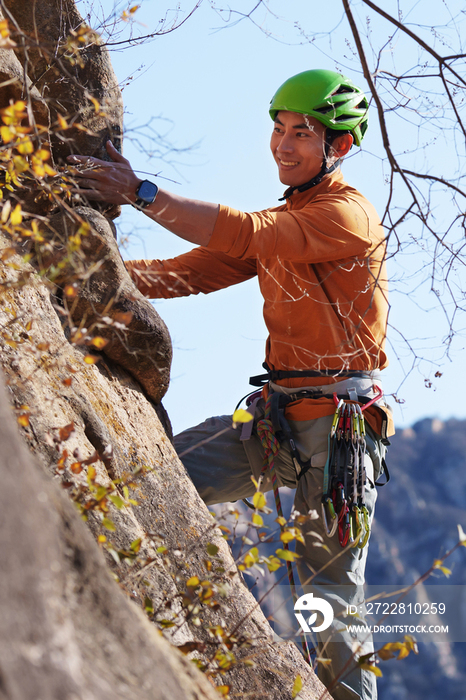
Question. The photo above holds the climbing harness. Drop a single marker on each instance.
(343, 502)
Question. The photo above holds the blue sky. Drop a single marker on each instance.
(205, 87)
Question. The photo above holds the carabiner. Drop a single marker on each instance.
(376, 398)
(344, 526)
(356, 526)
(327, 505)
(367, 530)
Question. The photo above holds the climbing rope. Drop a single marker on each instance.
(271, 447)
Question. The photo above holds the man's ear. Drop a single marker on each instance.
(341, 146)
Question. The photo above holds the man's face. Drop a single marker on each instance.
(297, 145)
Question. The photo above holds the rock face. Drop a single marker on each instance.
(67, 631)
(86, 361)
(70, 69)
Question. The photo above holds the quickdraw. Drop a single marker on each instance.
(343, 501)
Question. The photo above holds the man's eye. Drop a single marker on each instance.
(302, 134)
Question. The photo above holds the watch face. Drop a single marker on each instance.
(147, 191)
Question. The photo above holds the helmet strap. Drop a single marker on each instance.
(315, 180)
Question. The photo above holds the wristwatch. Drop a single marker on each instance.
(145, 194)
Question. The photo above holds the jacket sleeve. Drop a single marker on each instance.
(200, 270)
(328, 228)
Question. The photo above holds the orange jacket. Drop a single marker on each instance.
(319, 260)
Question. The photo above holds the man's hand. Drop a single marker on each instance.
(103, 181)
(116, 183)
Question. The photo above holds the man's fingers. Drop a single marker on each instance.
(114, 154)
(90, 194)
(88, 160)
(84, 183)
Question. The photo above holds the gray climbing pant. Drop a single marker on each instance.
(221, 471)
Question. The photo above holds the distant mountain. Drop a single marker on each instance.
(416, 522)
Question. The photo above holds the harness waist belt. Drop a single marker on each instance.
(275, 375)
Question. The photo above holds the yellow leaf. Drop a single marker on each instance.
(297, 686)
(257, 520)
(42, 154)
(241, 416)
(324, 662)
(287, 555)
(49, 171)
(193, 582)
(70, 290)
(25, 147)
(62, 122)
(95, 102)
(134, 8)
(4, 31)
(259, 500)
(91, 359)
(7, 133)
(99, 342)
(411, 643)
(101, 539)
(16, 215)
(281, 521)
(273, 563)
(23, 420)
(373, 669)
(21, 165)
(438, 565)
(462, 536)
(287, 536)
(223, 689)
(38, 168)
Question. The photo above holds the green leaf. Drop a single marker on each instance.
(148, 605)
(117, 501)
(101, 492)
(135, 546)
(297, 686)
(212, 549)
(166, 623)
(109, 524)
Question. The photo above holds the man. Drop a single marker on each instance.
(319, 259)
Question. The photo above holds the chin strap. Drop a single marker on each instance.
(315, 180)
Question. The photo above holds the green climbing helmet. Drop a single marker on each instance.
(329, 97)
